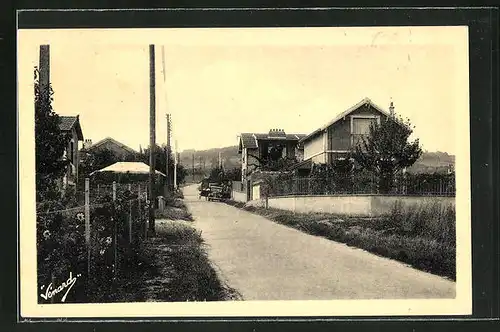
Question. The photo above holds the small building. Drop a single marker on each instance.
(119, 149)
(129, 172)
(129, 168)
(337, 138)
(70, 125)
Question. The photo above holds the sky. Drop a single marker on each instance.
(218, 83)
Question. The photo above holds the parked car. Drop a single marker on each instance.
(213, 189)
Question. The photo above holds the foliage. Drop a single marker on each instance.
(50, 143)
(94, 160)
(219, 174)
(431, 220)
(234, 174)
(386, 150)
(339, 175)
(61, 247)
(270, 163)
(161, 153)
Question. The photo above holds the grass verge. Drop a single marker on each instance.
(422, 236)
(175, 210)
(174, 267)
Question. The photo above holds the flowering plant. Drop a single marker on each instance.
(62, 247)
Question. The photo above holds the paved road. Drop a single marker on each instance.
(267, 261)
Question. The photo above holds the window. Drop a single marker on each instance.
(360, 126)
(275, 151)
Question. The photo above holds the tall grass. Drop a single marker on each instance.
(175, 209)
(431, 220)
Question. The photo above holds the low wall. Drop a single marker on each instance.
(354, 205)
(239, 196)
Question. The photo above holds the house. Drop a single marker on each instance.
(257, 147)
(337, 138)
(122, 151)
(70, 125)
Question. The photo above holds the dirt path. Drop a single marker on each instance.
(267, 261)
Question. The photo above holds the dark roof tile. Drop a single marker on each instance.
(249, 140)
(67, 122)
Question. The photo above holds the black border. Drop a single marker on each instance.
(483, 67)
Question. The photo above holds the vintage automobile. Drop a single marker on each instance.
(214, 190)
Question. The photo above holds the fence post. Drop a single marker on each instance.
(115, 247)
(87, 224)
(139, 207)
(140, 212)
(130, 216)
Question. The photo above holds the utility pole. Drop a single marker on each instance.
(167, 153)
(193, 168)
(44, 70)
(152, 138)
(175, 166)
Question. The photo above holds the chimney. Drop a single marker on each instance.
(391, 108)
(87, 144)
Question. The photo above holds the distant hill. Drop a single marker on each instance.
(429, 162)
(209, 158)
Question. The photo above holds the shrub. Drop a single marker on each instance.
(62, 248)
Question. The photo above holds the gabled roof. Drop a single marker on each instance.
(112, 140)
(69, 122)
(251, 140)
(364, 101)
(132, 167)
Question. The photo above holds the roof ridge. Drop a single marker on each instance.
(345, 113)
(109, 138)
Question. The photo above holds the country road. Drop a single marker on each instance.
(267, 261)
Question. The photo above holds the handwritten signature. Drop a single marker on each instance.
(50, 291)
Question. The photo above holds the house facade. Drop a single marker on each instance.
(257, 147)
(70, 125)
(338, 137)
(122, 151)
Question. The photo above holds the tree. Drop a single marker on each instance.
(387, 150)
(50, 143)
(271, 163)
(234, 174)
(161, 162)
(181, 174)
